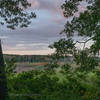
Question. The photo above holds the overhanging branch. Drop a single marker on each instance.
(84, 42)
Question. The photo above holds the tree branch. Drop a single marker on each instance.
(84, 42)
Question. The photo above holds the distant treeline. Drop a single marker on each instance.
(27, 58)
(35, 58)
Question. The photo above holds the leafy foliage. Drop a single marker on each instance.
(87, 24)
(85, 61)
(10, 66)
(63, 47)
(13, 13)
(38, 85)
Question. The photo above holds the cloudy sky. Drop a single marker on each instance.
(44, 30)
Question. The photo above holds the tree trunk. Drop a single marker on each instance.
(3, 83)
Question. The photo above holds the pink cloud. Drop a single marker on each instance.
(52, 6)
(35, 3)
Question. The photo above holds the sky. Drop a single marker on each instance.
(42, 32)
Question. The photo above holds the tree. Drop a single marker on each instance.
(63, 48)
(87, 25)
(13, 15)
(3, 83)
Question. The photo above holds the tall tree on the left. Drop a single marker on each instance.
(13, 14)
(3, 83)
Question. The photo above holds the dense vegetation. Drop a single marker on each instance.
(58, 82)
(67, 83)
